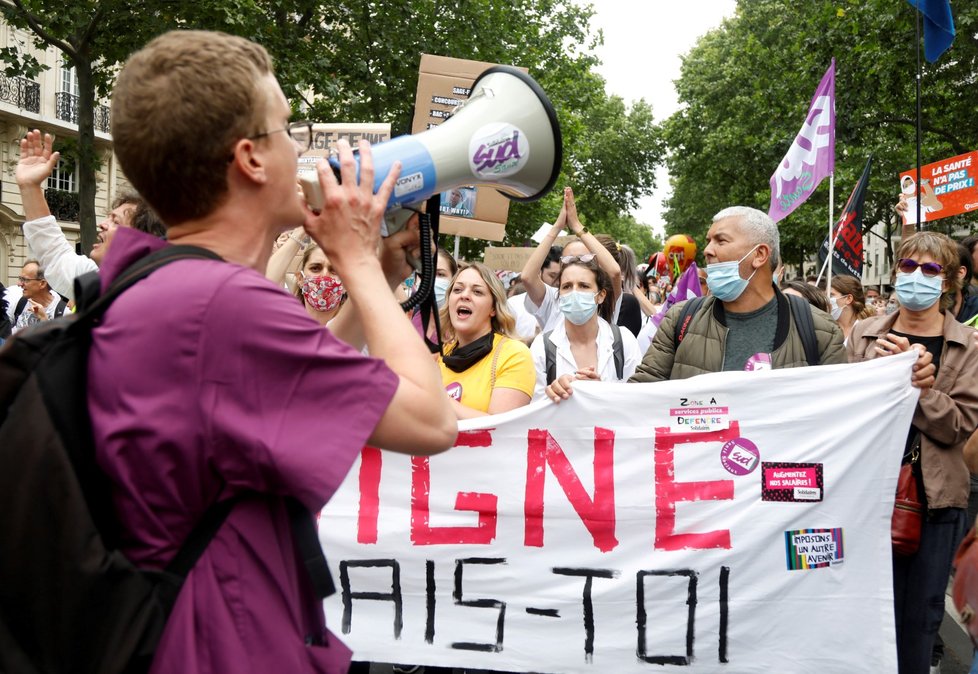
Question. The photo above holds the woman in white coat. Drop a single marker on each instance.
(585, 345)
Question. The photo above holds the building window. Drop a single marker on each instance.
(64, 177)
(69, 80)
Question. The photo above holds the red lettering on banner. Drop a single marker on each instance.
(422, 533)
(598, 515)
(481, 438)
(371, 461)
(370, 464)
(668, 492)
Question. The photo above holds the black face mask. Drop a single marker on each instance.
(463, 358)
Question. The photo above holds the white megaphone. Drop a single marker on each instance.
(506, 135)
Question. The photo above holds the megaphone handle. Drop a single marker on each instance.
(424, 297)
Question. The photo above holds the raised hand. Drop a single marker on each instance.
(36, 159)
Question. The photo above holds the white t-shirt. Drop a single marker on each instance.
(565, 363)
(27, 317)
(526, 324)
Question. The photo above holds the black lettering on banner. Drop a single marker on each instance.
(545, 612)
(724, 585)
(479, 603)
(393, 596)
(641, 617)
(429, 590)
(589, 575)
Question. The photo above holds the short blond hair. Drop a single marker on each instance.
(178, 106)
(503, 323)
(945, 253)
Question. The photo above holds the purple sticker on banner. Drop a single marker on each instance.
(739, 456)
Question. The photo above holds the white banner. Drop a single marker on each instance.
(733, 522)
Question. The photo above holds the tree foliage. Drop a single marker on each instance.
(357, 60)
(746, 86)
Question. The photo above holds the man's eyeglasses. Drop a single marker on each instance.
(24, 279)
(299, 132)
(908, 265)
(587, 257)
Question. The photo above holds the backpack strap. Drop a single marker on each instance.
(801, 311)
(19, 309)
(690, 307)
(619, 351)
(60, 309)
(201, 535)
(309, 548)
(550, 354)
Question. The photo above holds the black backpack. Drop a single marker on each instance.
(550, 353)
(801, 312)
(69, 599)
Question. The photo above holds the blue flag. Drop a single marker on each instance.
(938, 26)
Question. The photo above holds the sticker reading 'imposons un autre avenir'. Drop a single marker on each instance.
(813, 548)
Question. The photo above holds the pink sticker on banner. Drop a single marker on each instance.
(792, 482)
(739, 456)
(454, 391)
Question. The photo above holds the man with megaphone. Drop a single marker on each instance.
(208, 382)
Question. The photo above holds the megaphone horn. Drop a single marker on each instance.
(506, 135)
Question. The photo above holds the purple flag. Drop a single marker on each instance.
(812, 154)
(686, 287)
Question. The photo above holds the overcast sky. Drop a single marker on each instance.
(642, 45)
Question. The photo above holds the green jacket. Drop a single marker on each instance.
(701, 350)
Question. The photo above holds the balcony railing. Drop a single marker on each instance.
(66, 108)
(21, 92)
(63, 205)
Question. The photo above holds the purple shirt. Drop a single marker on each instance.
(206, 377)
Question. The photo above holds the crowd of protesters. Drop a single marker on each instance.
(300, 313)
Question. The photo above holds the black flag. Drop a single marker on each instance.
(847, 258)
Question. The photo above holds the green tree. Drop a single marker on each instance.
(357, 60)
(745, 87)
(96, 36)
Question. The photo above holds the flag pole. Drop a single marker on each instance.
(828, 258)
(919, 71)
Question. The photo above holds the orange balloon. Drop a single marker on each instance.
(680, 249)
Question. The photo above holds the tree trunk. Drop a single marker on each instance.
(88, 160)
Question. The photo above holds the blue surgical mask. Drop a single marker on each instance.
(724, 280)
(441, 288)
(916, 291)
(578, 307)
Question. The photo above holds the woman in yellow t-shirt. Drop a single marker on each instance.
(484, 369)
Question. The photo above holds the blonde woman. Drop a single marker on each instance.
(485, 369)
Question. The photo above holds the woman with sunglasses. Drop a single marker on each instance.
(485, 369)
(586, 345)
(946, 414)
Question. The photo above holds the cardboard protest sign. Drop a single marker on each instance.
(721, 523)
(469, 210)
(324, 138)
(947, 188)
(499, 258)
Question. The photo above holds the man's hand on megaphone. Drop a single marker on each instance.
(348, 227)
(396, 249)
